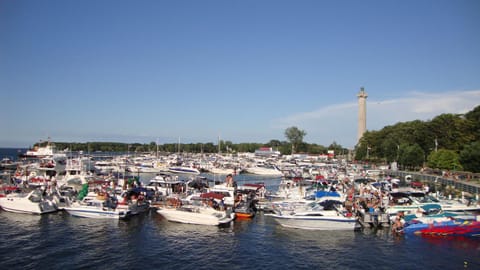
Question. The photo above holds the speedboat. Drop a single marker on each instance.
(97, 208)
(315, 217)
(196, 214)
(31, 203)
(183, 170)
(244, 210)
(164, 184)
(264, 169)
(429, 214)
(135, 201)
(445, 228)
(409, 202)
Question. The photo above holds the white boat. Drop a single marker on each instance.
(164, 184)
(183, 170)
(220, 193)
(264, 169)
(96, 208)
(195, 214)
(408, 202)
(40, 151)
(289, 190)
(107, 167)
(457, 205)
(412, 201)
(30, 203)
(315, 217)
(222, 170)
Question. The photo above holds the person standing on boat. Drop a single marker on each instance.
(229, 180)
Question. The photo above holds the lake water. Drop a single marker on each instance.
(60, 241)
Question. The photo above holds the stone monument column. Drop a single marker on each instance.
(362, 113)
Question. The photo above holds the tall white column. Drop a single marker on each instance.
(362, 113)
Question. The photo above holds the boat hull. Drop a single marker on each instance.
(197, 216)
(245, 215)
(446, 228)
(25, 206)
(264, 172)
(316, 223)
(184, 170)
(95, 213)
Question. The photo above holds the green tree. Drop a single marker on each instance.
(369, 147)
(274, 143)
(316, 149)
(444, 159)
(337, 148)
(474, 117)
(470, 157)
(411, 156)
(295, 137)
(152, 146)
(390, 149)
(451, 131)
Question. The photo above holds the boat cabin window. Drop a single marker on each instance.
(94, 203)
(35, 198)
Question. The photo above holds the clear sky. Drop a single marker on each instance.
(143, 71)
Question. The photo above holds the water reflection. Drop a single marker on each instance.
(449, 242)
(61, 241)
(26, 220)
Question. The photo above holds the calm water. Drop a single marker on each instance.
(60, 241)
(11, 153)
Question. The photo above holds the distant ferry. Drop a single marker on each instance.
(38, 151)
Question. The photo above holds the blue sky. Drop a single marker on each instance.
(142, 71)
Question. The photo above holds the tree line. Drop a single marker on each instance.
(222, 147)
(448, 141)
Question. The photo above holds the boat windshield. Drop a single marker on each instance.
(36, 196)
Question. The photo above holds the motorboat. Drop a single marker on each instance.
(456, 205)
(430, 213)
(34, 202)
(220, 193)
(446, 228)
(314, 216)
(288, 190)
(135, 201)
(246, 200)
(97, 207)
(183, 170)
(165, 184)
(222, 170)
(196, 214)
(410, 202)
(264, 169)
(245, 209)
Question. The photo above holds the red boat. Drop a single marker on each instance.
(447, 228)
(244, 215)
